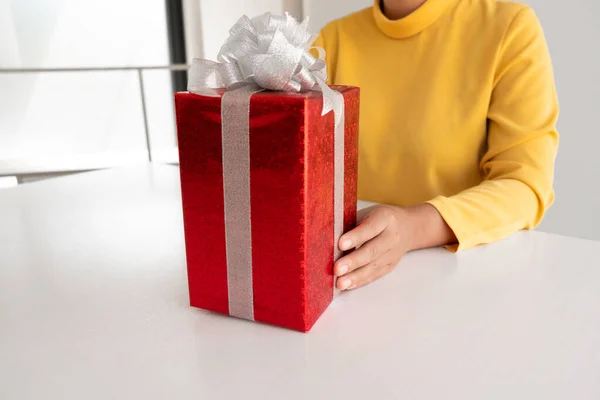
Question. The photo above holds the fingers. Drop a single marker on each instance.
(367, 274)
(370, 227)
(368, 252)
(378, 248)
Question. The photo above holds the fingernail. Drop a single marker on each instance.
(346, 243)
(342, 269)
(345, 284)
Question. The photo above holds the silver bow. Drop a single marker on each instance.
(271, 52)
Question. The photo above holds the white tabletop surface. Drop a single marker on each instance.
(94, 305)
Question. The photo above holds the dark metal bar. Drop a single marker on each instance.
(176, 34)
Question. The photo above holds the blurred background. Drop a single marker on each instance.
(88, 84)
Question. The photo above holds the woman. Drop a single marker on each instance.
(458, 115)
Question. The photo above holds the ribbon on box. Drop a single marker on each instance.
(266, 52)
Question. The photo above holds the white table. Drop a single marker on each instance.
(94, 305)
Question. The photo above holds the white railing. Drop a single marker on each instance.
(140, 76)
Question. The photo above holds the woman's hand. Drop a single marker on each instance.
(383, 236)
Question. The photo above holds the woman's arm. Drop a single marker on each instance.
(518, 166)
(518, 169)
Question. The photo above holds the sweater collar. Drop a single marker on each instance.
(412, 24)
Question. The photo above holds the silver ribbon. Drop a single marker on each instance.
(266, 52)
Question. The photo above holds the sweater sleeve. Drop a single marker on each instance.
(518, 165)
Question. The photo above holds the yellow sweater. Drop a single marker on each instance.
(458, 109)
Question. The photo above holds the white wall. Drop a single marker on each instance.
(218, 16)
(321, 12)
(62, 115)
(572, 32)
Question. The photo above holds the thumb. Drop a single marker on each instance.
(364, 213)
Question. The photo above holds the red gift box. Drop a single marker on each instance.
(291, 150)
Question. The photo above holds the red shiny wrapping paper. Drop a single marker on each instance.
(291, 195)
